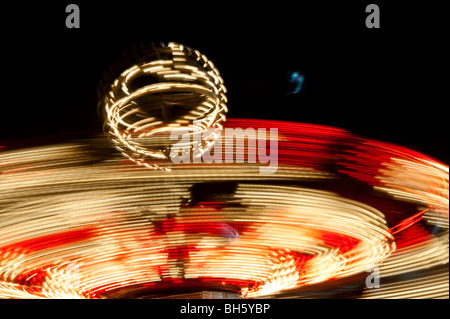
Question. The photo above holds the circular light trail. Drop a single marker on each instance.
(82, 224)
(174, 88)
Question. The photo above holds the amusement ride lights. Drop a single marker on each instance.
(72, 227)
(180, 86)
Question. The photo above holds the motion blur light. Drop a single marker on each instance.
(75, 225)
(171, 89)
(72, 227)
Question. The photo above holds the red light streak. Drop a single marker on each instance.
(408, 222)
(50, 241)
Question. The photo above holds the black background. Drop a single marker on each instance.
(381, 83)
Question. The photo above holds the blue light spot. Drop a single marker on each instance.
(296, 82)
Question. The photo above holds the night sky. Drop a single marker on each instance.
(380, 83)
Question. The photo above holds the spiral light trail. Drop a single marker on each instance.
(171, 89)
(79, 222)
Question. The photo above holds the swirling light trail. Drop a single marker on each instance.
(75, 225)
(177, 80)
